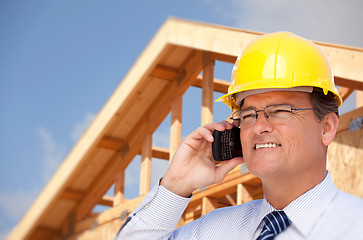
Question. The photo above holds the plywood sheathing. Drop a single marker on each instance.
(345, 155)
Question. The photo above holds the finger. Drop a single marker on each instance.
(226, 166)
(220, 126)
(227, 125)
(202, 133)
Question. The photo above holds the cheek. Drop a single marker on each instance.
(301, 141)
(245, 140)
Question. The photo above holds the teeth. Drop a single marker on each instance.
(266, 145)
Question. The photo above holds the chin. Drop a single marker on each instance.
(262, 168)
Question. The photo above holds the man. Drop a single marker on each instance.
(286, 106)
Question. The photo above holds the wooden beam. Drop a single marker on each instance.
(192, 211)
(121, 211)
(359, 99)
(77, 196)
(207, 89)
(119, 187)
(156, 114)
(220, 189)
(349, 83)
(171, 73)
(175, 124)
(161, 153)
(223, 57)
(106, 201)
(231, 200)
(164, 72)
(93, 193)
(344, 92)
(346, 61)
(208, 205)
(111, 143)
(72, 195)
(243, 193)
(239, 194)
(44, 232)
(218, 85)
(145, 169)
(345, 119)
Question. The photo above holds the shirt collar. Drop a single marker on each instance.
(263, 210)
(306, 209)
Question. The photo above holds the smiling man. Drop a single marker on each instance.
(285, 103)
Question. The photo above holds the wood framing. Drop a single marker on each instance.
(119, 187)
(207, 89)
(145, 171)
(176, 121)
(181, 54)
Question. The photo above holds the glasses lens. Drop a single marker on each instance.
(248, 117)
(278, 113)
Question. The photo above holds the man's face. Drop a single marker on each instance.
(283, 149)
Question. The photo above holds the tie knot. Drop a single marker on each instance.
(275, 223)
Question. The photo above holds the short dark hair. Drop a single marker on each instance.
(323, 104)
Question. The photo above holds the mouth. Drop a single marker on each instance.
(266, 145)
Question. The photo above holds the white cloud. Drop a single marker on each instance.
(53, 153)
(325, 20)
(81, 126)
(14, 204)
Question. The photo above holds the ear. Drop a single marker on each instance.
(330, 126)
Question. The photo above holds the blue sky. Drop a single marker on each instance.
(61, 60)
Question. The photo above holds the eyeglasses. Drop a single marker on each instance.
(278, 113)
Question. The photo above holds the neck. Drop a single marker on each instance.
(282, 190)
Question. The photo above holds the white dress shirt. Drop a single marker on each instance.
(323, 212)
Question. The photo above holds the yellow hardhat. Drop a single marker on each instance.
(278, 61)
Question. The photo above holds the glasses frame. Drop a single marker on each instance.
(264, 111)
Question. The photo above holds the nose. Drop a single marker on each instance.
(262, 124)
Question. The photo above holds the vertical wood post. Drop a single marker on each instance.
(145, 170)
(243, 194)
(239, 193)
(208, 204)
(359, 98)
(207, 88)
(175, 124)
(119, 187)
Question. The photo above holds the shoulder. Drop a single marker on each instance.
(221, 223)
(344, 215)
(237, 211)
(346, 206)
(348, 202)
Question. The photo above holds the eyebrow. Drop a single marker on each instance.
(254, 107)
(248, 108)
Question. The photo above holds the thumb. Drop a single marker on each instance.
(226, 166)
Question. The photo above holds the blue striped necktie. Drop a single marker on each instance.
(275, 222)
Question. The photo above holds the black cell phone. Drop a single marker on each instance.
(227, 144)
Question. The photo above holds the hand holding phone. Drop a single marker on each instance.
(227, 144)
(191, 167)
